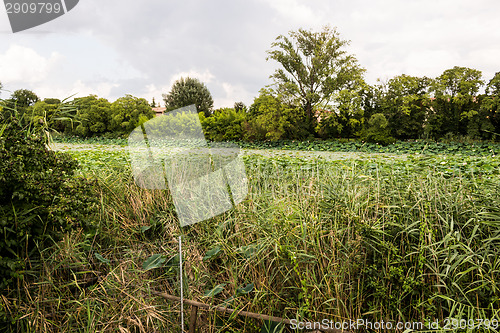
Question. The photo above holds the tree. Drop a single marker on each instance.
(404, 101)
(93, 115)
(24, 98)
(271, 119)
(52, 114)
(378, 130)
(225, 124)
(315, 69)
(189, 91)
(19, 102)
(455, 101)
(127, 113)
(490, 109)
(240, 106)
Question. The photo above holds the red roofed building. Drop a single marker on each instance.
(159, 111)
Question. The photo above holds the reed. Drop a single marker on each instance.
(377, 239)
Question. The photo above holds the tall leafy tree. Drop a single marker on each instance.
(455, 101)
(93, 115)
(187, 91)
(490, 109)
(271, 119)
(315, 69)
(19, 101)
(404, 100)
(127, 113)
(24, 98)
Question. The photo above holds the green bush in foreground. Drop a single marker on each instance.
(39, 197)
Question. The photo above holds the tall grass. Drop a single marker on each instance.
(337, 240)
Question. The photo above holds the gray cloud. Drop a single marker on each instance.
(119, 47)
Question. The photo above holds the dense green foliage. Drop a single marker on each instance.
(93, 115)
(127, 113)
(315, 68)
(404, 101)
(319, 91)
(270, 119)
(401, 238)
(39, 198)
(225, 124)
(378, 130)
(187, 91)
(20, 100)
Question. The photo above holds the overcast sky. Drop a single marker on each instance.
(115, 47)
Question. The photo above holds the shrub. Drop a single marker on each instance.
(40, 199)
(225, 124)
(378, 130)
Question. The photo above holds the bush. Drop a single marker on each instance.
(378, 130)
(225, 124)
(40, 199)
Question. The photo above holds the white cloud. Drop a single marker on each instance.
(100, 89)
(77, 88)
(295, 11)
(23, 64)
(233, 93)
(204, 77)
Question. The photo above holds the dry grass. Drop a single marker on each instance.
(337, 240)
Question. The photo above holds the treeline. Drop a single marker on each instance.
(319, 91)
(403, 108)
(84, 117)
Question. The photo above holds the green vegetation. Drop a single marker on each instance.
(40, 200)
(406, 227)
(316, 71)
(225, 124)
(187, 91)
(399, 147)
(411, 238)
